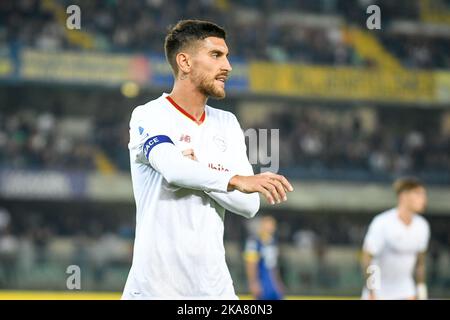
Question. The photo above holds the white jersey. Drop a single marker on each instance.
(395, 246)
(180, 203)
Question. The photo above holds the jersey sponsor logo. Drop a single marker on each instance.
(218, 167)
(153, 141)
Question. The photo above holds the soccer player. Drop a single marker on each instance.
(261, 257)
(189, 165)
(395, 246)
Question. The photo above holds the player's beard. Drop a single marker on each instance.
(208, 87)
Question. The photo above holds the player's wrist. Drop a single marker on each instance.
(421, 291)
(232, 183)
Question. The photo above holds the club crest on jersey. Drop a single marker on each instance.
(186, 138)
(220, 142)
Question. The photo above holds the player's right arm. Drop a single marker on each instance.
(373, 245)
(366, 262)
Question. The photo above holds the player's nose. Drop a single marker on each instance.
(227, 65)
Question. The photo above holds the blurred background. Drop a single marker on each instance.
(356, 108)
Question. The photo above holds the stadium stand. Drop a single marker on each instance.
(355, 109)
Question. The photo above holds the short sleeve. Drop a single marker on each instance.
(374, 240)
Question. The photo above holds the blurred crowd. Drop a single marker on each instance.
(264, 30)
(37, 245)
(420, 52)
(36, 248)
(328, 141)
(32, 140)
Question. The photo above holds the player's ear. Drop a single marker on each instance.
(184, 62)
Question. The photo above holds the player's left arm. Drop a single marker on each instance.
(420, 275)
(243, 204)
(420, 268)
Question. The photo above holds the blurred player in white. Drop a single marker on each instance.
(189, 164)
(395, 246)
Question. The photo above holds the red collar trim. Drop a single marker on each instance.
(202, 118)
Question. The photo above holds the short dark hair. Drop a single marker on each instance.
(406, 183)
(184, 33)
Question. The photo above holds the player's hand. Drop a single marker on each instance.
(272, 186)
(281, 288)
(372, 296)
(255, 289)
(190, 154)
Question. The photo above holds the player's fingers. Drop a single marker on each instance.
(273, 190)
(280, 189)
(266, 194)
(283, 181)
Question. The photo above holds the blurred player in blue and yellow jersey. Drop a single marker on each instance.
(261, 255)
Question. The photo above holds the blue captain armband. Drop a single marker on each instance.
(153, 141)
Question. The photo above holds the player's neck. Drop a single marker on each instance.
(405, 214)
(189, 98)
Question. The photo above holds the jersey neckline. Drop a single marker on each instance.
(185, 113)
